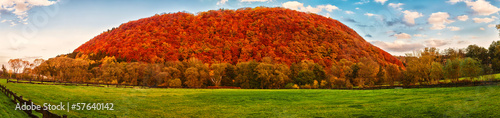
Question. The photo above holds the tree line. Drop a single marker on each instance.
(425, 67)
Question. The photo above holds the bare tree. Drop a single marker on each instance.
(36, 63)
(15, 65)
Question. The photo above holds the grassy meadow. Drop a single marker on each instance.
(479, 101)
(7, 108)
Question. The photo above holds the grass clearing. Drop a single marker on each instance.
(7, 108)
(479, 101)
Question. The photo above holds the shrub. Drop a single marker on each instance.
(307, 86)
(323, 84)
(360, 82)
(348, 84)
(336, 82)
(490, 77)
(407, 78)
(175, 83)
(289, 86)
(315, 84)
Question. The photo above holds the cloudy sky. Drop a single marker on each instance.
(46, 28)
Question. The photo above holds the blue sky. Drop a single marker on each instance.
(46, 28)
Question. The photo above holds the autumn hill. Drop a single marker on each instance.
(248, 48)
(235, 36)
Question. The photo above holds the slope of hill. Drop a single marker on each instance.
(236, 36)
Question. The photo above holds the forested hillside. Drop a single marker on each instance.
(234, 36)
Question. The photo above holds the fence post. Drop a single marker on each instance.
(30, 111)
(14, 96)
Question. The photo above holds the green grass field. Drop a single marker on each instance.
(480, 101)
(7, 108)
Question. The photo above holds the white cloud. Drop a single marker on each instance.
(13, 24)
(463, 17)
(362, 2)
(294, 5)
(20, 8)
(349, 12)
(410, 17)
(481, 28)
(396, 5)
(452, 28)
(221, 2)
(402, 36)
(454, 1)
(381, 1)
(369, 14)
(311, 9)
(482, 7)
(254, 0)
(357, 7)
(327, 15)
(484, 20)
(435, 42)
(491, 25)
(419, 35)
(328, 7)
(399, 45)
(438, 20)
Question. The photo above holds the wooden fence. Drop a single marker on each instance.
(20, 100)
(460, 83)
(96, 84)
(222, 87)
(71, 83)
